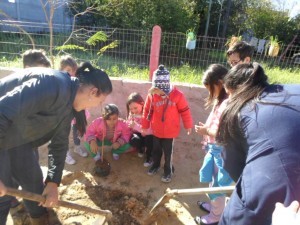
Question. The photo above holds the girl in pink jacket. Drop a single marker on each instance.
(111, 129)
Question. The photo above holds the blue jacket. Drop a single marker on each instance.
(36, 106)
(267, 167)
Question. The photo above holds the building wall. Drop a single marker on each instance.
(32, 11)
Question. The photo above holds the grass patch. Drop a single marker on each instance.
(182, 74)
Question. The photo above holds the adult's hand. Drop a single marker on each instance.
(2, 189)
(51, 195)
(286, 215)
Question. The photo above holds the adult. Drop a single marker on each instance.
(37, 106)
(239, 52)
(260, 132)
(30, 58)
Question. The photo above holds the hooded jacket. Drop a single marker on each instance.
(97, 130)
(36, 106)
(163, 113)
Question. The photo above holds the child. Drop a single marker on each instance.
(135, 104)
(212, 170)
(35, 58)
(68, 64)
(111, 129)
(239, 52)
(163, 108)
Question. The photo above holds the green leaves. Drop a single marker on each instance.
(70, 47)
(100, 36)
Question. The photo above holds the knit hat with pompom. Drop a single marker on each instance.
(161, 79)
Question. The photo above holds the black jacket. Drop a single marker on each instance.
(36, 107)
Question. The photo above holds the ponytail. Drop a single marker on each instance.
(90, 76)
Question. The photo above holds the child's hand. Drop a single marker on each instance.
(94, 146)
(189, 131)
(130, 123)
(201, 129)
(116, 145)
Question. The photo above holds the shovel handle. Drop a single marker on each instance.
(39, 198)
(192, 191)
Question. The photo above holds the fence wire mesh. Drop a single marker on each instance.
(133, 49)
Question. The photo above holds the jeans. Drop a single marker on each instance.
(207, 173)
(76, 139)
(20, 166)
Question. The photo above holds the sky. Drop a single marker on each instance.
(292, 5)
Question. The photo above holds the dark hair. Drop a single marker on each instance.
(67, 60)
(110, 109)
(242, 48)
(134, 97)
(248, 82)
(213, 75)
(91, 76)
(34, 58)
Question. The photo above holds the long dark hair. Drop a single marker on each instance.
(134, 97)
(90, 76)
(214, 74)
(248, 81)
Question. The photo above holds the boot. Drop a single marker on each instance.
(42, 220)
(19, 215)
(216, 210)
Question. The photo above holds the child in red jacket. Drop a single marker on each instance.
(163, 108)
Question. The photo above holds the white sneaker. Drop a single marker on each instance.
(148, 163)
(69, 159)
(97, 157)
(116, 156)
(80, 151)
(140, 155)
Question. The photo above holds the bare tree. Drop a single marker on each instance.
(52, 5)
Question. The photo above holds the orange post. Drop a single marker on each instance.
(155, 49)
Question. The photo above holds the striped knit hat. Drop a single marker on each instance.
(161, 79)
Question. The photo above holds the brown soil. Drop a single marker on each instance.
(128, 191)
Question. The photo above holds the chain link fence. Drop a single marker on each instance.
(133, 49)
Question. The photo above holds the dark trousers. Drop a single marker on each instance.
(76, 139)
(20, 166)
(139, 141)
(163, 146)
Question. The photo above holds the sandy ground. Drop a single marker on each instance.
(128, 191)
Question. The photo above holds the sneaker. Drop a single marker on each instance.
(153, 171)
(97, 157)
(148, 163)
(140, 155)
(166, 178)
(116, 156)
(80, 151)
(69, 159)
